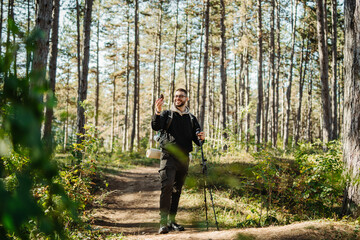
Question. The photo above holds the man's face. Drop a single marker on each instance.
(180, 99)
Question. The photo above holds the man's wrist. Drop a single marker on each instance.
(157, 112)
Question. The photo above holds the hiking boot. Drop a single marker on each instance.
(163, 230)
(175, 227)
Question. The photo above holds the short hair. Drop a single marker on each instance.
(182, 90)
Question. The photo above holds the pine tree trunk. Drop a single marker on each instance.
(205, 68)
(288, 90)
(172, 89)
(247, 100)
(126, 118)
(154, 92)
(49, 114)
(351, 134)
(199, 69)
(113, 114)
(43, 22)
(136, 62)
(97, 79)
(160, 47)
(186, 47)
(272, 72)
(223, 73)
(82, 89)
(334, 70)
(66, 130)
(324, 68)
(277, 98)
(78, 42)
(309, 137)
(260, 80)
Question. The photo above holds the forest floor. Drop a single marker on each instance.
(130, 206)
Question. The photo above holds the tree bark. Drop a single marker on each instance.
(205, 68)
(172, 89)
(49, 114)
(351, 134)
(247, 100)
(223, 73)
(160, 46)
(324, 68)
(288, 90)
(334, 70)
(260, 80)
(125, 137)
(136, 64)
(97, 79)
(199, 69)
(43, 22)
(309, 137)
(83, 84)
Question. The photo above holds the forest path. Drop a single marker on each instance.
(131, 204)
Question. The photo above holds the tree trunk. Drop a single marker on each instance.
(125, 137)
(247, 100)
(154, 92)
(49, 114)
(199, 69)
(160, 46)
(260, 80)
(172, 89)
(334, 70)
(272, 71)
(43, 22)
(97, 79)
(78, 43)
(301, 87)
(223, 72)
(136, 64)
(288, 90)
(205, 68)
(277, 98)
(324, 68)
(186, 46)
(113, 113)
(351, 134)
(66, 130)
(82, 89)
(309, 137)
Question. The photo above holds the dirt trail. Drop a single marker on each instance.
(131, 207)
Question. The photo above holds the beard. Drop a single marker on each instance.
(179, 104)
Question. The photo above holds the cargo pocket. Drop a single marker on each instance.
(163, 174)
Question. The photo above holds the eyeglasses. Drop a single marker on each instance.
(180, 96)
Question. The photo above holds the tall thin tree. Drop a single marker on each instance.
(288, 90)
(324, 70)
(136, 64)
(260, 80)
(205, 66)
(49, 114)
(223, 71)
(83, 84)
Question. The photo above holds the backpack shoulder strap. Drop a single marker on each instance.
(191, 120)
(169, 120)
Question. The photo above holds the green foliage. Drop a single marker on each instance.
(33, 203)
(276, 190)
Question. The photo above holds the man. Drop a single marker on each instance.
(183, 129)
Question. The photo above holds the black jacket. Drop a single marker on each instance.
(180, 128)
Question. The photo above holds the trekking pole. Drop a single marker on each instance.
(204, 170)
